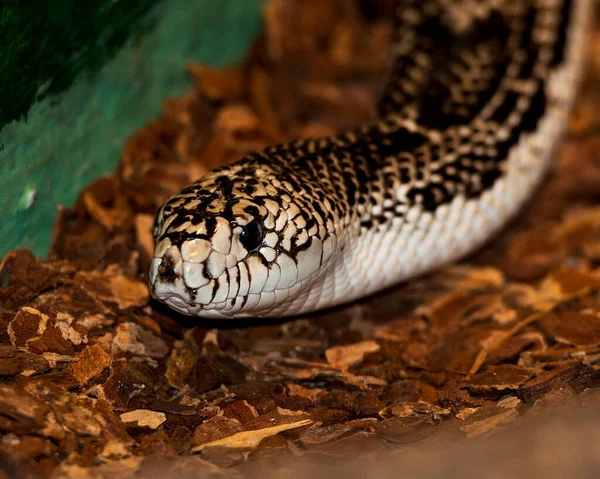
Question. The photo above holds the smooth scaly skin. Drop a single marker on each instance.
(478, 99)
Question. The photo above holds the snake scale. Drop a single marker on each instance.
(478, 97)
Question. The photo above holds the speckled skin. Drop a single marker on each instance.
(479, 96)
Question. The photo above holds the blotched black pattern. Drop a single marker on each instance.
(468, 83)
(458, 79)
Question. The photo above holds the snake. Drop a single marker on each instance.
(477, 99)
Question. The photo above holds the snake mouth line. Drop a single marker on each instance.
(217, 309)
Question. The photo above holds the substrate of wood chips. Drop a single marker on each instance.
(99, 380)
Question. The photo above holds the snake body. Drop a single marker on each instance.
(479, 95)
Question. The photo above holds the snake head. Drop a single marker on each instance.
(238, 242)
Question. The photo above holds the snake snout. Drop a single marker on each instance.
(192, 278)
(166, 274)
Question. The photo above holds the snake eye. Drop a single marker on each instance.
(251, 236)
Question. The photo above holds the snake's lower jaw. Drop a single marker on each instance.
(218, 298)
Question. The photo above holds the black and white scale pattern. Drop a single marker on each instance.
(479, 95)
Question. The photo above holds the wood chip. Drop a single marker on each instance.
(249, 439)
(144, 418)
(93, 362)
(344, 357)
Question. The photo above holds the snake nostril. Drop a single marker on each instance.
(166, 270)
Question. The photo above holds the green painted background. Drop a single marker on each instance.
(76, 84)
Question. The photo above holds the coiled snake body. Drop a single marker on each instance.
(478, 98)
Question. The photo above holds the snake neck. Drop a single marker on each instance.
(466, 131)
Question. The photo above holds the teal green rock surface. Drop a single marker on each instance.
(106, 71)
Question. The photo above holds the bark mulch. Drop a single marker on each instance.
(97, 380)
